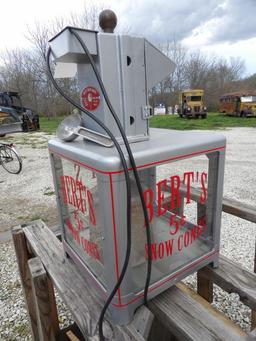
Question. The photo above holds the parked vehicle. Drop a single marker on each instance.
(14, 117)
(241, 104)
(160, 109)
(191, 104)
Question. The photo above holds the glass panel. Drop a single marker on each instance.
(179, 235)
(15, 101)
(245, 99)
(6, 118)
(79, 199)
(196, 98)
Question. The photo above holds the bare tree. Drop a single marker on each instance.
(167, 91)
(194, 70)
(178, 54)
(50, 102)
(25, 70)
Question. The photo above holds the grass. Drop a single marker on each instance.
(29, 217)
(213, 121)
(22, 329)
(48, 191)
(50, 125)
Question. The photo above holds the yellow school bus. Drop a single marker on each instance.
(241, 104)
(191, 103)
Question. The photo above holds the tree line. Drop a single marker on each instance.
(196, 70)
(25, 71)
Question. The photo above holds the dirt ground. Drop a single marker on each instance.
(30, 194)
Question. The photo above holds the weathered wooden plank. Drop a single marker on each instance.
(234, 279)
(251, 336)
(69, 283)
(22, 256)
(169, 309)
(142, 321)
(204, 286)
(73, 288)
(71, 336)
(70, 333)
(239, 209)
(47, 317)
(138, 329)
(160, 332)
(190, 317)
(253, 318)
(254, 269)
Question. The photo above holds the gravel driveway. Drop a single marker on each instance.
(29, 196)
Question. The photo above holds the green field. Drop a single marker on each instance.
(213, 121)
(50, 125)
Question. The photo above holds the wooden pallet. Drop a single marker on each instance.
(179, 313)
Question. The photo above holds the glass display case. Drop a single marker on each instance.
(91, 191)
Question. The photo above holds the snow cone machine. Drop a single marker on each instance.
(90, 183)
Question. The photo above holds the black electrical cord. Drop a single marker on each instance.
(132, 161)
(128, 186)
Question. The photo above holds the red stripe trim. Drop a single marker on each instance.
(77, 162)
(115, 239)
(172, 158)
(142, 166)
(120, 305)
(167, 279)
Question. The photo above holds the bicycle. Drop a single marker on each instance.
(9, 158)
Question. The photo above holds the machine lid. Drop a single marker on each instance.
(164, 146)
(74, 28)
(158, 65)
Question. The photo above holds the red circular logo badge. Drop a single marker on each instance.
(90, 98)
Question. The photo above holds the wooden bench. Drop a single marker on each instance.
(230, 276)
(177, 314)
